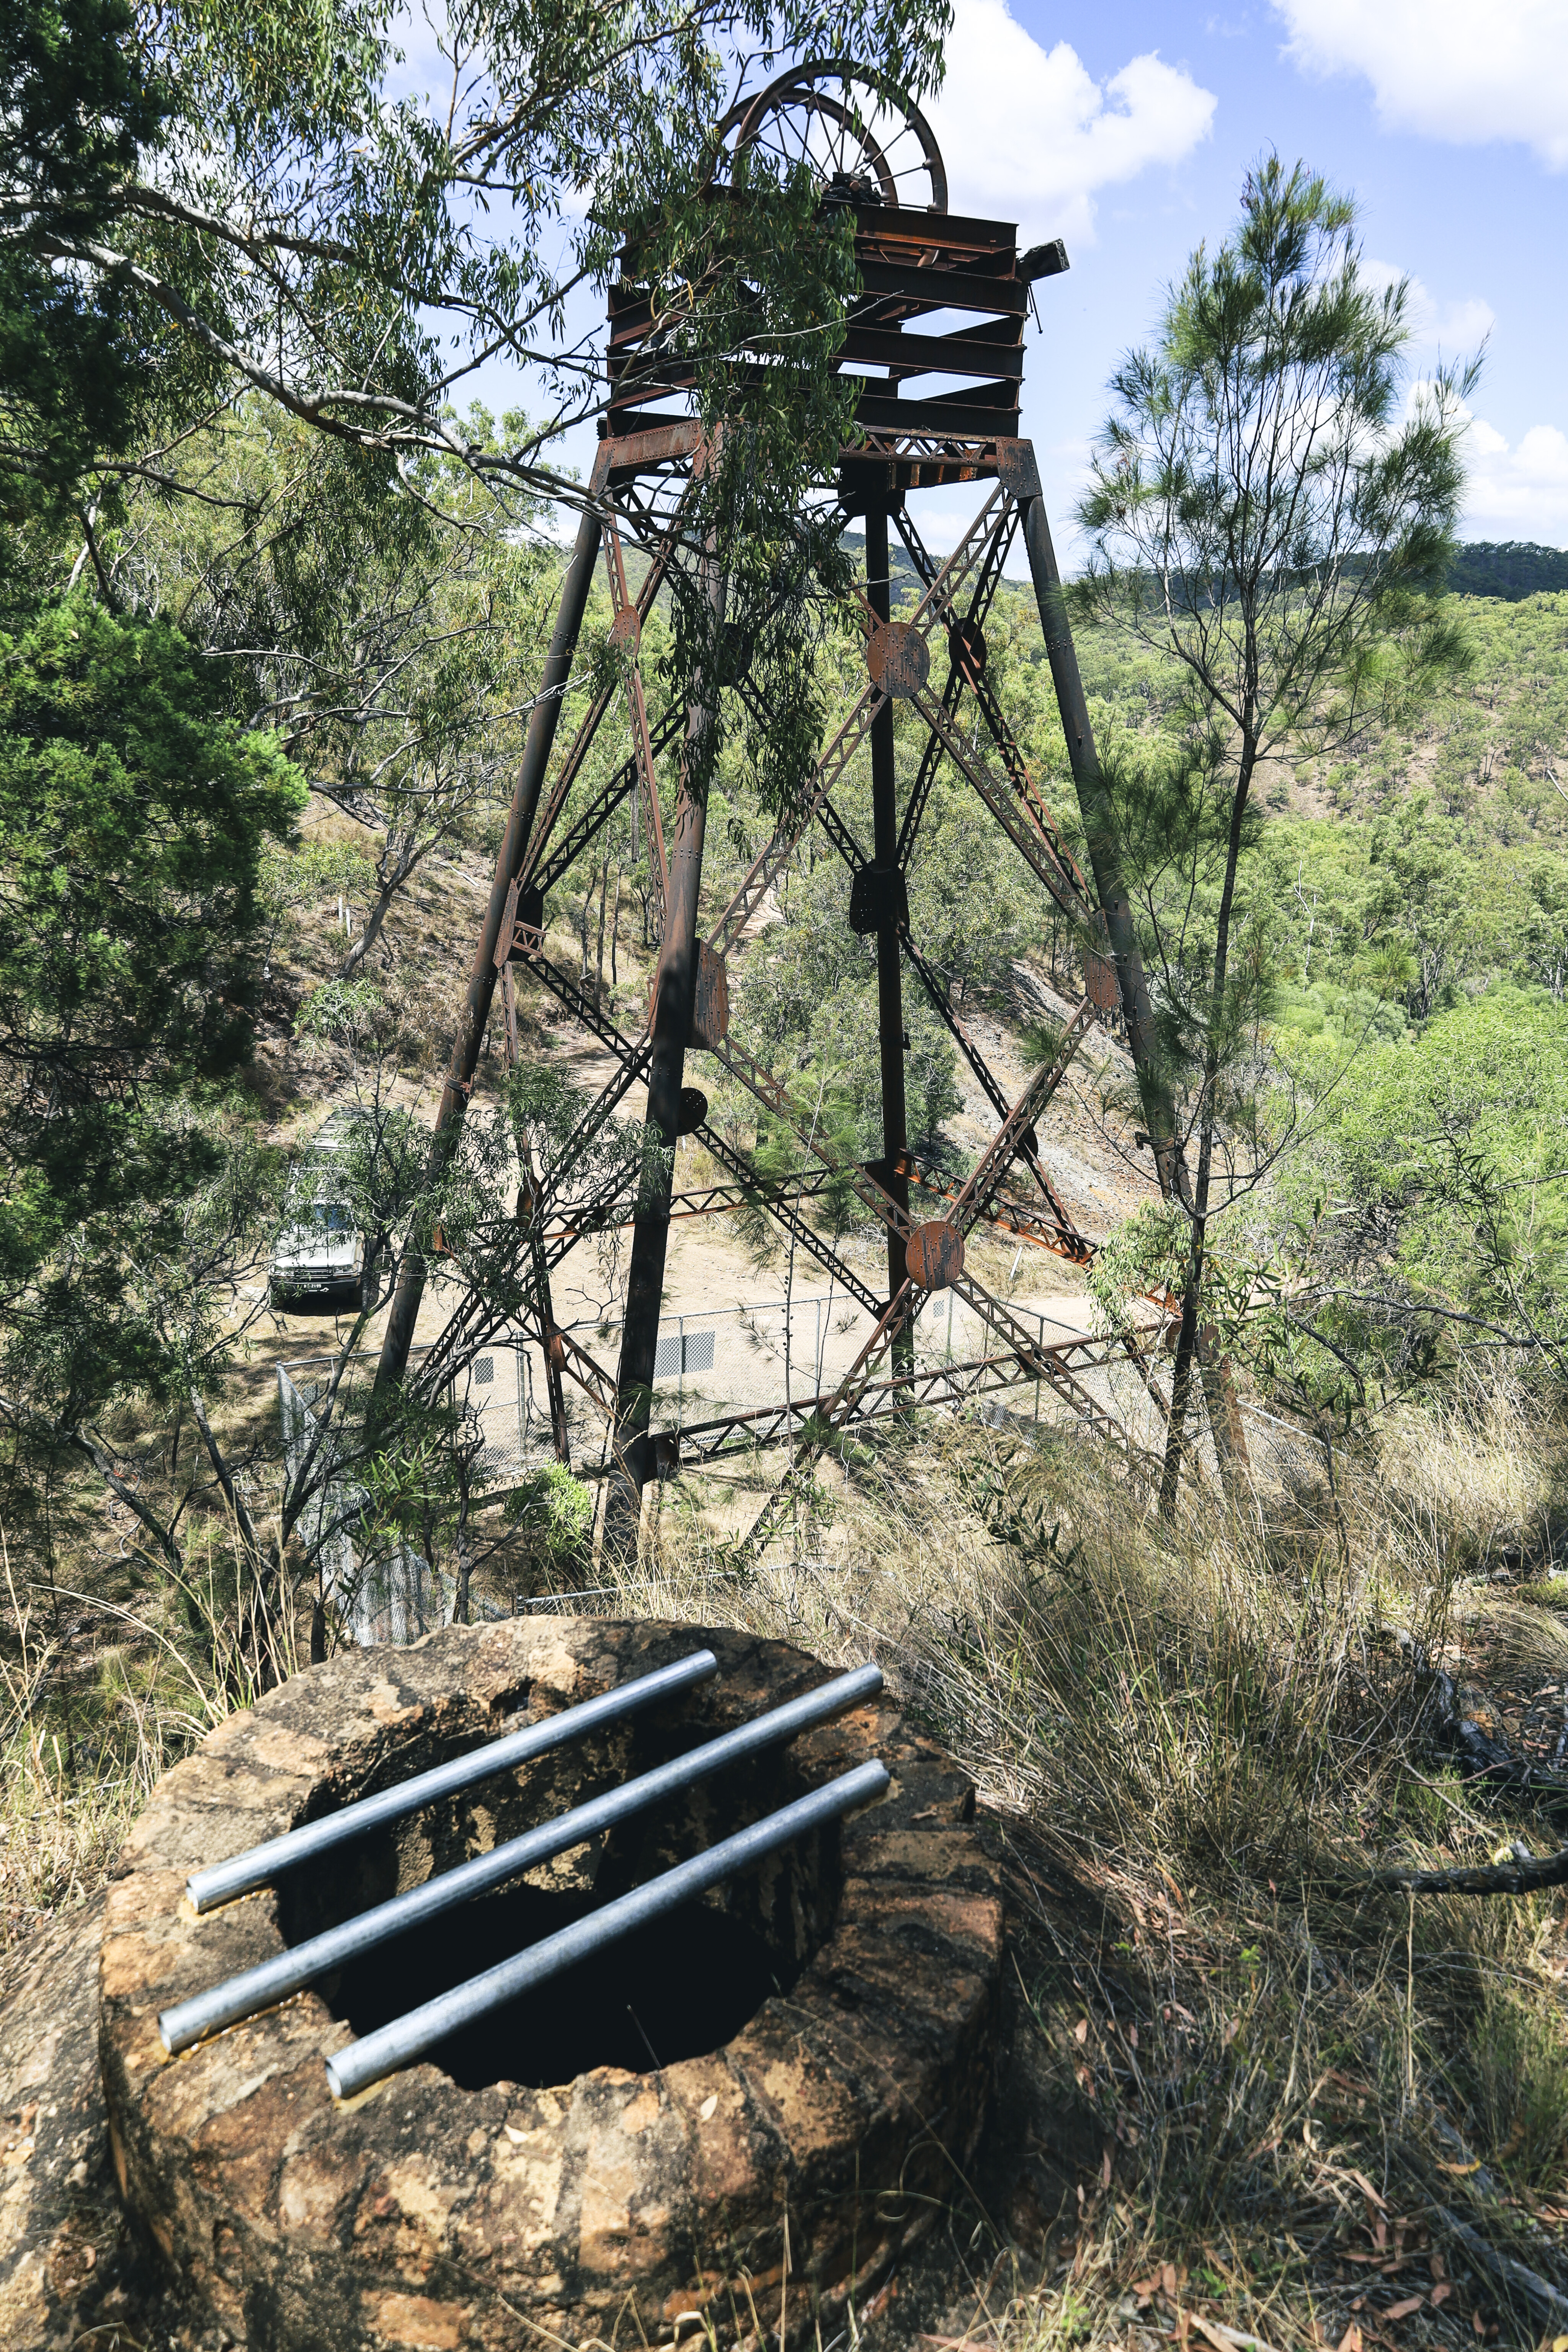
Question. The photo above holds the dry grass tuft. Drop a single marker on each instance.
(98, 1699)
(1240, 2101)
(1238, 2096)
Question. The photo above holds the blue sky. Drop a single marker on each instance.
(1128, 131)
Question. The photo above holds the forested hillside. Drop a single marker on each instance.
(1512, 568)
(1238, 1604)
(1407, 911)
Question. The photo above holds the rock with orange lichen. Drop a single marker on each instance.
(66, 2263)
(433, 2211)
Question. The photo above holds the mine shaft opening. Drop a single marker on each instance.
(678, 1987)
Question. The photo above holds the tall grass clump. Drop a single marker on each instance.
(1242, 2086)
(1246, 2095)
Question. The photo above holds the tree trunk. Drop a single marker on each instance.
(1187, 1343)
(389, 882)
(465, 1570)
(1100, 840)
(1181, 1390)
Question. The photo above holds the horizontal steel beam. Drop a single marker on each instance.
(710, 1201)
(948, 289)
(974, 415)
(934, 354)
(935, 237)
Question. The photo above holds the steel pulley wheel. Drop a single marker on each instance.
(863, 137)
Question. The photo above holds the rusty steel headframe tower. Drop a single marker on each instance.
(876, 156)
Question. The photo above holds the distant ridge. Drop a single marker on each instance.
(905, 586)
(1510, 568)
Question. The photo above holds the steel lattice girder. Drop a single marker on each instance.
(705, 1441)
(980, 552)
(913, 263)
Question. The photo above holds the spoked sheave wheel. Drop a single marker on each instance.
(863, 137)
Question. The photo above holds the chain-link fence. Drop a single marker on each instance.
(394, 1594)
(728, 1377)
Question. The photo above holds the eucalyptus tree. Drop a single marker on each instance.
(139, 1370)
(79, 107)
(388, 639)
(294, 217)
(1266, 514)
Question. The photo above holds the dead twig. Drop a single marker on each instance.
(1521, 1876)
(1542, 2299)
(1486, 1757)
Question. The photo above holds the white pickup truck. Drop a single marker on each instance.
(319, 1252)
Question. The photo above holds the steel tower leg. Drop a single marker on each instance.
(1098, 824)
(536, 750)
(529, 1207)
(889, 971)
(674, 1005)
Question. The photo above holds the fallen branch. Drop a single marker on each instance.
(1544, 2299)
(1521, 1876)
(1487, 1758)
(1226, 2339)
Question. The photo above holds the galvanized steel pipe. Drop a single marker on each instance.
(407, 2038)
(260, 1864)
(273, 1981)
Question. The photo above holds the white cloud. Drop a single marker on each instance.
(1452, 328)
(1520, 492)
(1027, 134)
(1459, 69)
